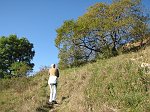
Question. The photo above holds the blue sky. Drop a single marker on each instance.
(37, 20)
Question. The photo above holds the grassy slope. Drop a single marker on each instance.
(119, 84)
(116, 84)
(23, 94)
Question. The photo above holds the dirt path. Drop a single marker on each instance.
(71, 96)
(48, 107)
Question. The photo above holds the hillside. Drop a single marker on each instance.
(117, 84)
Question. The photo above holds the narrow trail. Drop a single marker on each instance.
(70, 92)
(48, 107)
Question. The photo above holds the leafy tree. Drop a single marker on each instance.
(14, 51)
(111, 24)
(20, 69)
(70, 54)
(101, 30)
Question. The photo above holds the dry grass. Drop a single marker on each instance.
(71, 89)
(114, 85)
(120, 85)
(23, 95)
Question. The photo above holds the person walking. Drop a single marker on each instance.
(52, 81)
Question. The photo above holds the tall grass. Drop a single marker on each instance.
(120, 84)
(23, 94)
(117, 84)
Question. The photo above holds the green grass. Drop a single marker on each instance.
(120, 84)
(117, 84)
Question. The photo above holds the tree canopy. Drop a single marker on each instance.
(101, 31)
(15, 55)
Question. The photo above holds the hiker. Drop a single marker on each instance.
(52, 81)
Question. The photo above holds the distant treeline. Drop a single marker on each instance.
(101, 32)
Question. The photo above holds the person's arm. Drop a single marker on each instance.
(49, 72)
(57, 72)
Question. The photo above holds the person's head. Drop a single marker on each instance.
(53, 65)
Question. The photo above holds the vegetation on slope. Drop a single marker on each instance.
(120, 84)
(117, 84)
(23, 94)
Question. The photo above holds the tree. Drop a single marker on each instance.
(70, 54)
(20, 69)
(111, 24)
(102, 30)
(14, 50)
